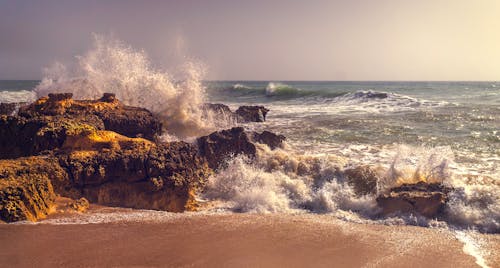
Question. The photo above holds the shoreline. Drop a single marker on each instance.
(264, 240)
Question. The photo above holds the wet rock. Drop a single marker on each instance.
(220, 145)
(217, 108)
(21, 136)
(131, 122)
(46, 123)
(26, 191)
(80, 205)
(252, 113)
(270, 139)
(136, 173)
(426, 199)
(108, 97)
(363, 179)
(7, 108)
(60, 96)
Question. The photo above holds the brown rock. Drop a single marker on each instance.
(363, 179)
(26, 191)
(270, 139)
(7, 108)
(426, 199)
(252, 113)
(137, 173)
(220, 145)
(80, 205)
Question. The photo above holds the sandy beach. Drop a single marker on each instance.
(234, 240)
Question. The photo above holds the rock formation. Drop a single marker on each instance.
(252, 113)
(270, 139)
(92, 149)
(26, 191)
(363, 179)
(220, 145)
(46, 123)
(243, 114)
(426, 199)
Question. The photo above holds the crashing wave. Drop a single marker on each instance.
(111, 66)
(285, 182)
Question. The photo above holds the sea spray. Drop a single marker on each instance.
(411, 164)
(279, 181)
(112, 66)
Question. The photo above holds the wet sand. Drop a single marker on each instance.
(234, 240)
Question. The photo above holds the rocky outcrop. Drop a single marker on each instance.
(243, 114)
(363, 179)
(26, 190)
(220, 145)
(106, 111)
(426, 199)
(10, 108)
(114, 170)
(106, 168)
(46, 123)
(270, 139)
(217, 108)
(252, 113)
(80, 205)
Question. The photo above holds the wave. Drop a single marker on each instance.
(276, 91)
(112, 66)
(17, 96)
(285, 182)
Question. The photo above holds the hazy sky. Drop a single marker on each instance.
(266, 40)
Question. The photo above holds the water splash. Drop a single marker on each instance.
(112, 66)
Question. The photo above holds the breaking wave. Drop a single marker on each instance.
(112, 66)
(285, 182)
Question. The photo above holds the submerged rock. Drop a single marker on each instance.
(426, 199)
(252, 113)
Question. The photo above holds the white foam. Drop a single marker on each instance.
(17, 96)
(473, 246)
(111, 66)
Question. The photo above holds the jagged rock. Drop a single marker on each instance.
(426, 199)
(218, 146)
(217, 108)
(131, 121)
(21, 136)
(46, 123)
(252, 113)
(111, 113)
(26, 191)
(7, 108)
(363, 179)
(80, 205)
(136, 173)
(270, 139)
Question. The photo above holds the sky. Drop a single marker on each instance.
(265, 40)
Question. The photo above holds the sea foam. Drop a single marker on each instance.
(112, 66)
